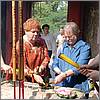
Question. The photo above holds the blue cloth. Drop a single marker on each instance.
(80, 53)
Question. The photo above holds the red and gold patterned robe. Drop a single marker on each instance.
(35, 55)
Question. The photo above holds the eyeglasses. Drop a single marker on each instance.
(70, 36)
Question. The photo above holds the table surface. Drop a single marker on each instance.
(50, 94)
(31, 91)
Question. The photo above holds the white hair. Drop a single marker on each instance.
(72, 26)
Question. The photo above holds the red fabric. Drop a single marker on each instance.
(35, 55)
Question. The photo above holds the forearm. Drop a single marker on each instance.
(45, 62)
(62, 76)
(46, 59)
(69, 73)
(95, 63)
(57, 70)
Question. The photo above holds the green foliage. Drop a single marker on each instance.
(53, 12)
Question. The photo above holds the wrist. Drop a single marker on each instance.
(42, 66)
(57, 70)
(65, 74)
(61, 72)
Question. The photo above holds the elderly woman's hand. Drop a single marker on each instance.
(63, 76)
(60, 78)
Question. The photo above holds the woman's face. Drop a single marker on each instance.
(70, 37)
(33, 34)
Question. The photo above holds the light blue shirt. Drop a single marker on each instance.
(79, 53)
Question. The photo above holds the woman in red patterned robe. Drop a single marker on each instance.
(35, 51)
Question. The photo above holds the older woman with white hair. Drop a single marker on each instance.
(78, 51)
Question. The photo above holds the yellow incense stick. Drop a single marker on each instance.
(68, 60)
(14, 39)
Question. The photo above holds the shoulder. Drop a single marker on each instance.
(82, 43)
(84, 46)
(41, 41)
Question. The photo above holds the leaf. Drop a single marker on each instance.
(53, 12)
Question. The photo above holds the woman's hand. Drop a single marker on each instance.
(60, 78)
(63, 76)
(6, 67)
(38, 79)
(26, 72)
(36, 70)
(41, 68)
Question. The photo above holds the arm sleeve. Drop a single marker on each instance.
(83, 57)
(55, 64)
(46, 58)
(56, 59)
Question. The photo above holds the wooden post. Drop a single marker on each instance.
(14, 45)
(21, 57)
(20, 29)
